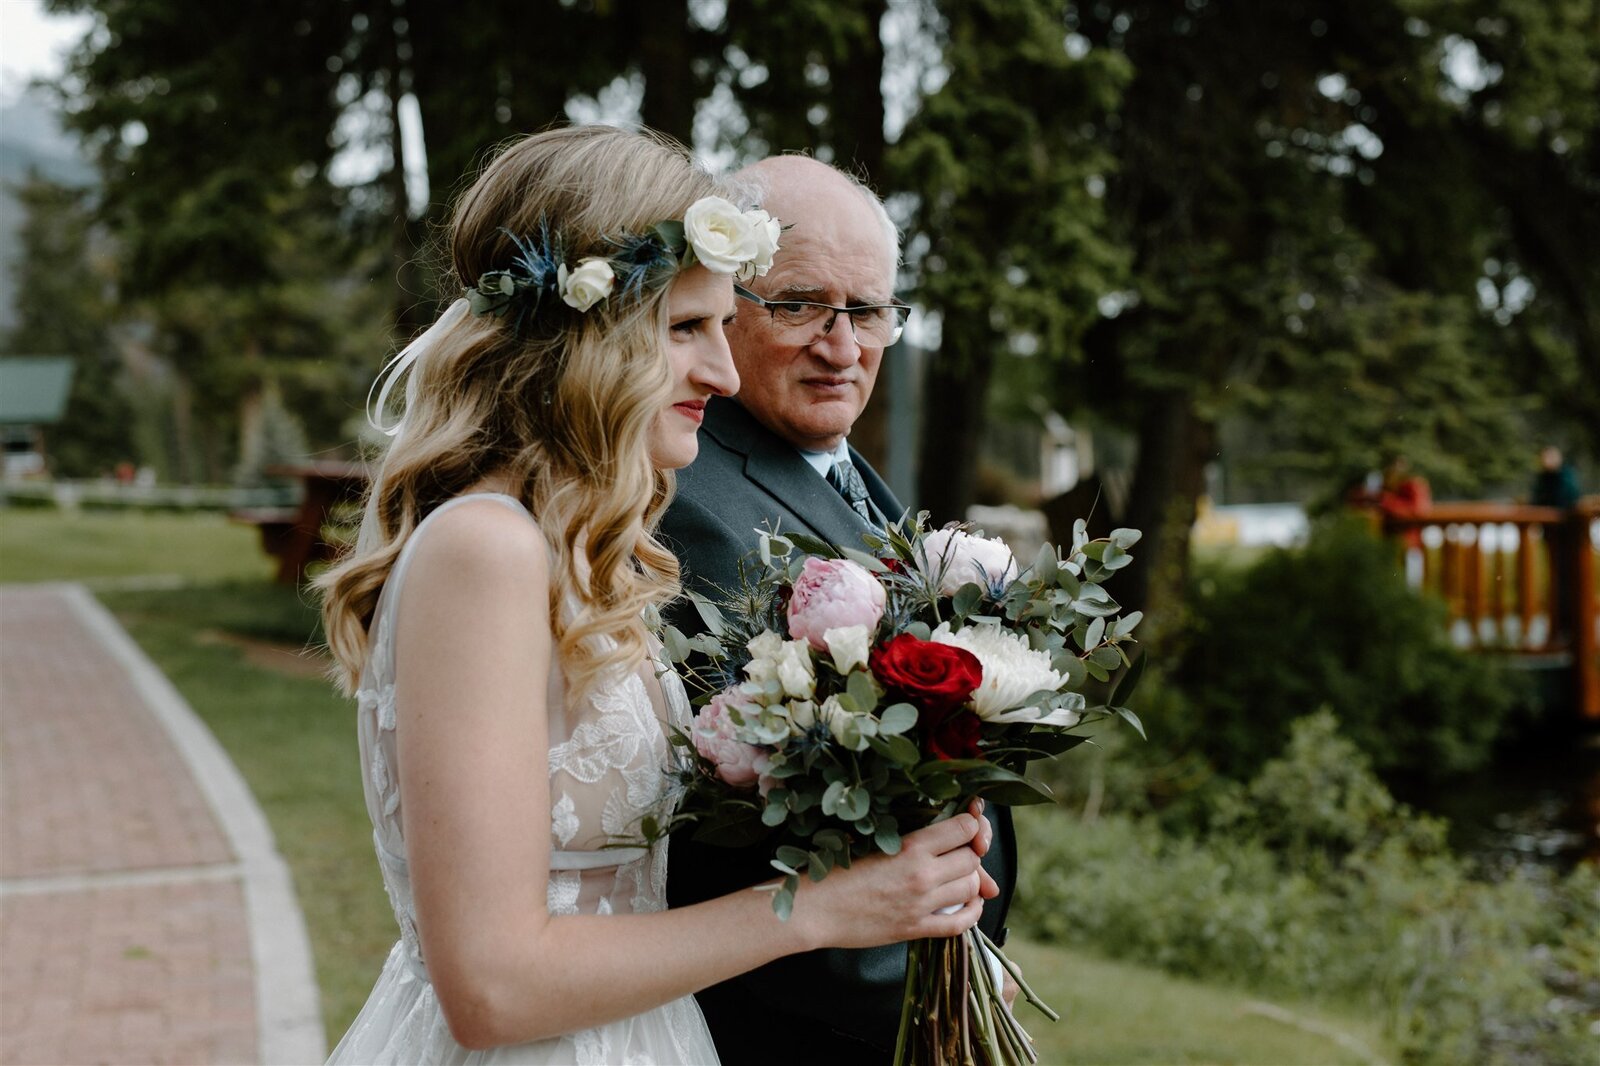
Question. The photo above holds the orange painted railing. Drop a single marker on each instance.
(1517, 580)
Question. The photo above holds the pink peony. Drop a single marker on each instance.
(738, 763)
(833, 594)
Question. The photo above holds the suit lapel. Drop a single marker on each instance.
(777, 467)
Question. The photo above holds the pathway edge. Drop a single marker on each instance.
(289, 1014)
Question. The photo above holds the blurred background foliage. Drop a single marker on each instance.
(1336, 230)
(1303, 235)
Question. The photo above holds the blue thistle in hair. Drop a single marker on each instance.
(643, 261)
(525, 284)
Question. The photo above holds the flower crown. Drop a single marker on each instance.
(713, 233)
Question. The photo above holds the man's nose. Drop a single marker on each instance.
(838, 347)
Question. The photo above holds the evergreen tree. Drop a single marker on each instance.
(64, 284)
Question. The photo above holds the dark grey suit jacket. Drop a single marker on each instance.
(835, 1006)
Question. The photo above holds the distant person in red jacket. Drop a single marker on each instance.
(1404, 494)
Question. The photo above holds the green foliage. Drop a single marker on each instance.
(1332, 624)
(63, 285)
(1313, 881)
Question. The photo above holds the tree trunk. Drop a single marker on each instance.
(665, 57)
(954, 390)
(1175, 444)
(857, 111)
(412, 307)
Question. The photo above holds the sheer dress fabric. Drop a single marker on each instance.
(608, 761)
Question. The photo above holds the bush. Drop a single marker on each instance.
(1332, 624)
(1312, 880)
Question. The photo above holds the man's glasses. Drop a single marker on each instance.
(806, 322)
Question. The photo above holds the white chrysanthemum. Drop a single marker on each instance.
(1012, 672)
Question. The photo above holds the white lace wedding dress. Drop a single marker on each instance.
(608, 762)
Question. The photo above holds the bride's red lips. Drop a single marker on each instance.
(695, 409)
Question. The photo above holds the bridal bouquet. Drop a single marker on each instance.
(851, 696)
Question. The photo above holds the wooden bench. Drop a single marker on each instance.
(295, 535)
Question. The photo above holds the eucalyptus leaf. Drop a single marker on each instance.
(861, 558)
(1125, 625)
(896, 719)
(1128, 681)
(887, 837)
(1133, 720)
(783, 900)
(1125, 538)
(863, 690)
(832, 797)
(709, 613)
(675, 644)
(966, 599)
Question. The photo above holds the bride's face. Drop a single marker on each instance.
(699, 305)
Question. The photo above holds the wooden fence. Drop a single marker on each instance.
(1517, 580)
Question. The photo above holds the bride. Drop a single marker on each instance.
(511, 710)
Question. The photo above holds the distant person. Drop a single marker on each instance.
(1556, 485)
(1402, 494)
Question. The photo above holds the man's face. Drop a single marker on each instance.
(834, 253)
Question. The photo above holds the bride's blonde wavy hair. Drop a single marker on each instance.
(563, 405)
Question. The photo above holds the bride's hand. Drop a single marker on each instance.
(884, 899)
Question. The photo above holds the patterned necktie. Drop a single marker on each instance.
(846, 479)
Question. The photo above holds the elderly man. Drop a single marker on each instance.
(808, 341)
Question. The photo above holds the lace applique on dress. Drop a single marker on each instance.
(564, 820)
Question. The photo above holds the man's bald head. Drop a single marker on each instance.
(838, 248)
(790, 187)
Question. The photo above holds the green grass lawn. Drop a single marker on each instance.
(294, 741)
(93, 546)
(1119, 1013)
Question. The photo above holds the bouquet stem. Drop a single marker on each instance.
(954, 1013)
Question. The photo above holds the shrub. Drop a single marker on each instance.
(1332, 624)
(1312, 880)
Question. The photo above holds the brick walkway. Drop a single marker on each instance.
(144, 912)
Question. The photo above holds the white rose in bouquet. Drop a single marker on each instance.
(848, 646)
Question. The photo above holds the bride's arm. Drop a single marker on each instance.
(473, 652)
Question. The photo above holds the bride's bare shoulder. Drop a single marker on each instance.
(479, 545)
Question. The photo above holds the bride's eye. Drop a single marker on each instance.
(687, 326)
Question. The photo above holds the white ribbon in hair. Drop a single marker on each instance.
(396, 367)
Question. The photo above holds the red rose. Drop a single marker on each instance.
(935, 677)
(956, 737)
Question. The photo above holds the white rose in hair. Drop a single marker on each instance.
(957, 558)
(722, 237)
(767, 231)
(586, 286)
(1012, 671)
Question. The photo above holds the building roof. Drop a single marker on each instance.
(33, 389)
